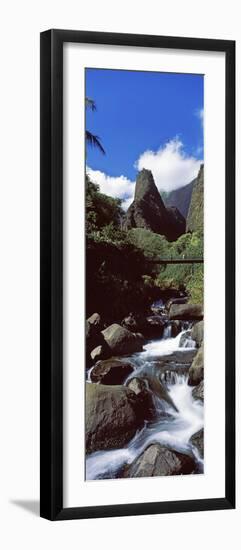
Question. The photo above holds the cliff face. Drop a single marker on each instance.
(180, 198)
(149, 212)
(195, 212)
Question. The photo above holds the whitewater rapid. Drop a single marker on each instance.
(170, 428)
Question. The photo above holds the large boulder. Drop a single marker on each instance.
(197, 440)
(196, 371)
(122, 341)
(112, 417)
(198, 391)
(148, 210)
(111, 371)
(186, 312)
(145, 402)
(158, 460)
(197, 333)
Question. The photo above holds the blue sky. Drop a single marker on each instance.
(145, 119)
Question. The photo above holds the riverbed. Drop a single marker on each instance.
(166, 359)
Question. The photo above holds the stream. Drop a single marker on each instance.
(170, 428)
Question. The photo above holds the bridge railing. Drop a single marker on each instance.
(179, 260)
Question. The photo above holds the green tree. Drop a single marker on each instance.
(101, 210)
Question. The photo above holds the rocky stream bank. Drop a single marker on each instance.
(145, 392)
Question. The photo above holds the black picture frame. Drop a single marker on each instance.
(51, 325)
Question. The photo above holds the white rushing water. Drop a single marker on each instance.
(165, 345)
(173, 429)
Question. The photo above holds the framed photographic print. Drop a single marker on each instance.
(137, 274)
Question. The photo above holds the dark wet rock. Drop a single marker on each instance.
(145, 404)
(198, 391)
(93, 335)
(197, 440)
(158, 460)
(196, 371)
(156, 386)
(185, 356)
(111, 371)
(154, 326)
(179, 300)
(100, 352)
(151, 326)
(197, 332)
(112, 416)
(176, 327)
(148, 210)
(132, 322)
(122, 341)
(186, 312)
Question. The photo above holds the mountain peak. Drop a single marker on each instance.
(149, 212)
(145, 185)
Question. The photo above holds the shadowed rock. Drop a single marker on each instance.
(196, 371)
(111, 371)
(198, 391)
(197, 440)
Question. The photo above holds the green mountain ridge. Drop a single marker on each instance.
(195, 212)
(180, 198)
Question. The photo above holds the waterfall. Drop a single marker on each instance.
(170, 377)
(171, 428)
(167, 331)
(165, 345)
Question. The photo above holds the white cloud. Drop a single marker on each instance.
(170, 165)
(118, 187)
(127, 202)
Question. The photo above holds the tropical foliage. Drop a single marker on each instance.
(92, 139)
(121, 277)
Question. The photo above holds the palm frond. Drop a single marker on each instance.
(90, 104)
(94, 141)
